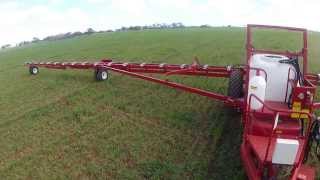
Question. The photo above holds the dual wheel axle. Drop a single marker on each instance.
(99, 74)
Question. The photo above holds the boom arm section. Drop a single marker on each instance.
(139, 70)
(194, 69)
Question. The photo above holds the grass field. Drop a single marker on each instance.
(64, 125)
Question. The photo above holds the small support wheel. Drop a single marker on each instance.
(34, 70)
(101, 74)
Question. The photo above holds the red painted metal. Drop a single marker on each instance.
(302, 53)
(304, 172)
(264, 150)
(167, 69)
(201, 92)
(263, 146)
(260, 127)
(139, 70)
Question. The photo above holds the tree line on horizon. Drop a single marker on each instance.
(90, 31)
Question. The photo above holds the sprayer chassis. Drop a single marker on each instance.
(257, 161)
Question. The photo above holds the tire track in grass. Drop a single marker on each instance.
(226, 162)
(131, 117)
(126, 117)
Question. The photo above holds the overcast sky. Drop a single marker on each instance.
(23, 20)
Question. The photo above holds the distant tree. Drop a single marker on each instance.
(205, 26)
(23, 43)
(180, 25)
(90, 31)
(164, 26)
(35, 39)
(67, 35)
(123, 28)
(45, 39)
(134, 28)
(153, 26)
(55, 37)
(78, 33)
(5, 46)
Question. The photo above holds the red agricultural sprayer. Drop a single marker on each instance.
(274, 91)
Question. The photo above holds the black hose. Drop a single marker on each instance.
(295, 63)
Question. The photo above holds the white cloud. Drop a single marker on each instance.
(96, 1)
(39, 21)
(292, 12)
(55, 2)
(135, 8)
(22, 21)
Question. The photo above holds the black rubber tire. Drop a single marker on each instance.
(101, 74)
(33, 70)
(235, 88)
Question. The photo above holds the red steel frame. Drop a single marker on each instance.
(250, 172)
(311, 79)
(303, 53)
(140, 70)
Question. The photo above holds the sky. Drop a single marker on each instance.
(22, 20)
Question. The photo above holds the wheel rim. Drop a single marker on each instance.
(34, 70)
(104, 75)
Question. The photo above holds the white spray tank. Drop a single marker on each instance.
(257, 86)
(277, 82)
